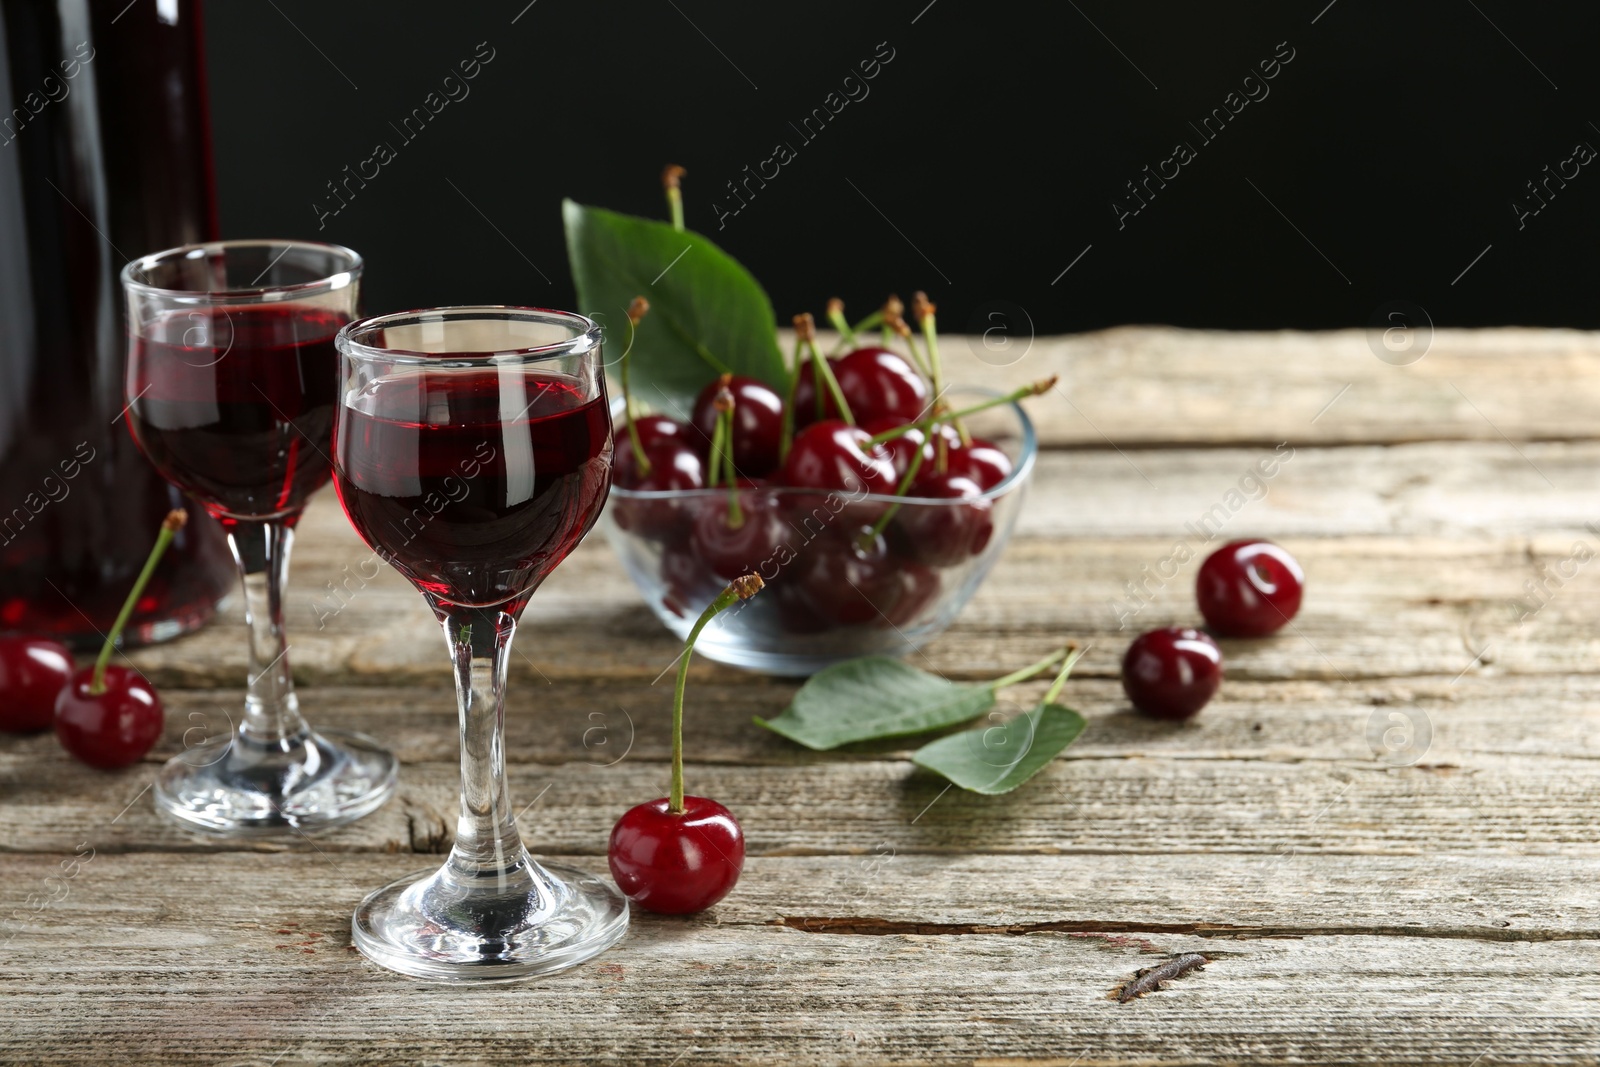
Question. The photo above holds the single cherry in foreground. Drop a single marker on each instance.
(1249, 588)
(33, 672)
(681, 854)
(109, 717)
(1171, 673)
(677, 863)
(111, 728)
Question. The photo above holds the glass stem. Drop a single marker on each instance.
(488, 848)
(271, 710)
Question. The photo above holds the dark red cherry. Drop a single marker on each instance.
(943, 535)
(655, 428)
(876, 383)
(757, 424)
(674, 466)
(1171, 673)
(687, 584)
(752, 546)
(114, 728)
(851, 578)
(832, 455)
(676, 863)
(919, 589)
(983, 462)
(1249, 588)
(33, 672)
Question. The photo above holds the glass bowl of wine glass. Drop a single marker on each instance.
(851, 573)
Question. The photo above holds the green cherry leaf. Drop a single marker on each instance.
(707, 317)
(873, 697)
(997, 758)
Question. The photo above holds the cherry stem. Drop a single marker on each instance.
(1032, 669)
(1074, 654)
(847, 336)
(786, 434)
(1043, 385)
(714, 475)
(739, 589)
(724, 433)
(900, 490)
(169, 529)
(635, 312)
(871, 321)
(824, 370)
(670, 179)
(924, 310)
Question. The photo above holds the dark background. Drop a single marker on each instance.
(983, 162)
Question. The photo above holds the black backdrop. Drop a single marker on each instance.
(981, 161)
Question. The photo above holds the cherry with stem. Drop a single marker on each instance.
(109, 717)
(681, 854)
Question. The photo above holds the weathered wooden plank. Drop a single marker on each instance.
(1376, 607)
(602, 723)
(1143, 385)
(236, 984)
(1511, 804)
(126, 901)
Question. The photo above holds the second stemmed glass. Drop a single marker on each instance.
(472, 450)
(230, 393)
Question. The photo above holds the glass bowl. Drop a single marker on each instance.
(826, 600)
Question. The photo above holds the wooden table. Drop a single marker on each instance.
(1443, 907)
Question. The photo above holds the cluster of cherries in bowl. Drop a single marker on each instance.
(1244, 589)
(820, 471)
(106, 715)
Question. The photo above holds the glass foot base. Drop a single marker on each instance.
(313, 781)
(437, 926)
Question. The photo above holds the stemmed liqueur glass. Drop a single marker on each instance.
(231, 385)
(472, 450)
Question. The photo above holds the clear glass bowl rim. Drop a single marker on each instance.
(354, 265)
(586, 336)
(1019, 472)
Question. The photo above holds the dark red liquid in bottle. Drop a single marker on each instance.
(104, 155)
(235, 405)
(472, 486)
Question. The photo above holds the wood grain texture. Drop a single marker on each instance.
(1433, 907)
(147, 962)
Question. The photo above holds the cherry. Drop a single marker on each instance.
(676, 864)
(113, 728)
(685, 580)
(655, 428)
(983, 462)
(834, 455)
(943, 535)
(876, 383)
(1249, 588)
(681, 854)
(107, 716)
(33, 671)
(851, 578)
(901, 449)
(919, 588)
(730, 550)
(673, 466)
(1171, 673)
(757, 422)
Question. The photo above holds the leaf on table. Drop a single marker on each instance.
(708, 316)
(997, 758)
(875, 697)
